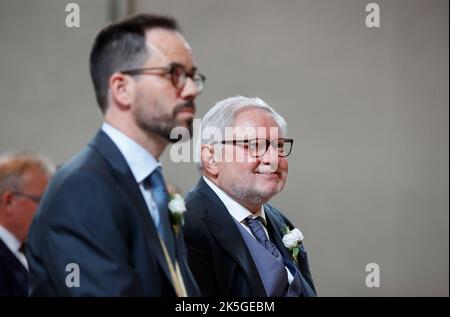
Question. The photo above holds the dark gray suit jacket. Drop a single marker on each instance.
(218, 255)
(13, 275)
(93, 214)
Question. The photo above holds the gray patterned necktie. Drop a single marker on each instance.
(256, 227)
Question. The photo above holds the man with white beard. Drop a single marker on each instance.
(238, 245)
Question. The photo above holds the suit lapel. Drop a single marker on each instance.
(223, 228)
(149, 227)
(274, 227)
(6, 252)
(111, 153)
(20, 272)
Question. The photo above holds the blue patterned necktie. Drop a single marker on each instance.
(256, 227)
(161, 198)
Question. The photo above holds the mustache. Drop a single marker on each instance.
(188, 104)
(272, 168)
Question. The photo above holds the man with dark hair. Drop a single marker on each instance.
(104, 228)
(23, 179)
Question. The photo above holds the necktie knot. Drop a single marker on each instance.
(156, 182)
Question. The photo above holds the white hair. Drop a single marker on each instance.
(224, 114)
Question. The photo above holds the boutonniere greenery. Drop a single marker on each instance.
(177, 209)
(292, 240)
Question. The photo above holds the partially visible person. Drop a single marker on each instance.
(23, 179)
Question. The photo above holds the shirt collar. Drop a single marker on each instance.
(140, 161)
(236, 210)
(9, 239)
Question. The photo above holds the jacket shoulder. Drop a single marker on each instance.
(83, 185)
(278, 216)
(195, 205)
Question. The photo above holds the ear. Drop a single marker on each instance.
(121, 88)
(208, 161)
(6, 198)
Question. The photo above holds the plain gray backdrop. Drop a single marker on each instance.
(368, 109)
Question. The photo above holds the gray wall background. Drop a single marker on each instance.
(368, 108)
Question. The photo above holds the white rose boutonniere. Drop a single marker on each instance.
(292, 240)
(177, 209)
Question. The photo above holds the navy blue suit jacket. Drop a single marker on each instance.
(13, 275)
(218, 256)
(93, 214)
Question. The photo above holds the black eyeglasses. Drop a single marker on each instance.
(33, 198)
(177, 74)
(258, 147)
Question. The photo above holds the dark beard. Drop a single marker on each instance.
(163, 126)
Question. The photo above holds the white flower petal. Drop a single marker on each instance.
(298, 234)
(177, 205)
(289, 241)
(293, 238)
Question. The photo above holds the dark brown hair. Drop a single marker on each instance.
(121, 46)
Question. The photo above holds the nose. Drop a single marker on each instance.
(189, 90)
(271, 155)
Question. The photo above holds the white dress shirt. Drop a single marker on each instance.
(141, 164)
(240, 213)
(13, 245)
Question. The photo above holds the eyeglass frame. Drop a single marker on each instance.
(268, 143)
(170, 70)
(34, 198)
